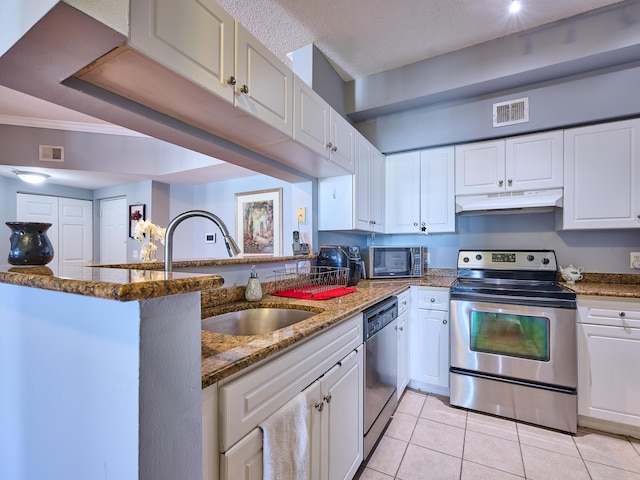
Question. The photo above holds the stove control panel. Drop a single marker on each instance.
(508, 259)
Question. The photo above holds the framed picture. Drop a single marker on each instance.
(259, 222)
(136, 213)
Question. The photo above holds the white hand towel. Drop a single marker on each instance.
(285, 443)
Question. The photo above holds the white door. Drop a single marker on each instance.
(480, 168)
(41, 208)
(113, 231)
(71, 231)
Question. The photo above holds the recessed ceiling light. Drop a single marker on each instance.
(31, 177)
(515, 6)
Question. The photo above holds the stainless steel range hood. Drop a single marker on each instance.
(510, 202)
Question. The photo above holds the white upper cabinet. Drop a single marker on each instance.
(528, 162)
(420, 191)
(264, 85)
(369, 180)
(323, 130)
(159, 29)
(355, 202)
(602, 176)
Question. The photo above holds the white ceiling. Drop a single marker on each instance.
(359, 38)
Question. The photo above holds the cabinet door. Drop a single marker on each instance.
(403, 354)
(429, 348)
(480, 168)
(377, 190)
(195, 38)
(244, 460)
(437, 199)
(363, 205)
(342, 389)
(607, 364)
(311, 124)
(602, 174)
(342, 139)
(336, 203)
(534, 162)
(264, 85)
(403, 193)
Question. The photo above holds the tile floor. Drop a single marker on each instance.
(428, 439)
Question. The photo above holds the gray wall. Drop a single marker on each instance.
(603, 251)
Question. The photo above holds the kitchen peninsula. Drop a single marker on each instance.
(100, 373)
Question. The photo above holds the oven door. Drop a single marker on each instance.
(523, 342)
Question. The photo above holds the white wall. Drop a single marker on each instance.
(219, 198)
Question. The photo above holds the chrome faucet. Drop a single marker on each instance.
(232, 246)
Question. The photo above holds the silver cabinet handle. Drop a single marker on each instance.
(329, 145)
(319, 406)
(445, 321)
(432, 300)
(622, 314)
(244, 89)
(500, 183)
(231, 80)
(334, 148)
(510, 182)
(327, 398)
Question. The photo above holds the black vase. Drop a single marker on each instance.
(29, 243)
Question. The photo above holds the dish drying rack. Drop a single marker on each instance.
(312, 283)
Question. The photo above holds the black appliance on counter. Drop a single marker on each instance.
(342, 256)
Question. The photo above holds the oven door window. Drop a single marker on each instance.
(509, 334)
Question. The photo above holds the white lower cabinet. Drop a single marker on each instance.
(403, 342)
(608, 359)
(329, 369)
(429, 339)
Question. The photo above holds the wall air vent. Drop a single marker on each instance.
(511, 112)
(49, 153)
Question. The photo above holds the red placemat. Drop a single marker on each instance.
(326, 295)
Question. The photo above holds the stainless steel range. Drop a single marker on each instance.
(513, 338)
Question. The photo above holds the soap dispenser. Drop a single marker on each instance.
(253, 292)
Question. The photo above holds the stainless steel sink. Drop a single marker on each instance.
(255, 321)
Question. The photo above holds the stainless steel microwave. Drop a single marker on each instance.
(393, 261)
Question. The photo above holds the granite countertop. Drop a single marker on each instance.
(607, 284)
(113, 284)
(224, 355)
(210, 262)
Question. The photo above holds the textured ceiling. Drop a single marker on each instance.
(363, 37)
(359, 38)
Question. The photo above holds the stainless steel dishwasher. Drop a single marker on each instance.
(381, 369)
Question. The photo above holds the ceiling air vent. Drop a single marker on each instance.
(511, 112)
(49, 153)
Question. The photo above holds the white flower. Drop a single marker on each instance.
(145, 230)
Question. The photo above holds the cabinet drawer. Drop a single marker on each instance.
(432, 298)
(403, 301)
(248, 400)
(609, 312)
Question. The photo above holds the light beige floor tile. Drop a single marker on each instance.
(387, 456)
(438, 436)
(401, 427)
(437, 408)
(493, 452)
(421, 463)
(542, 464)
(547, 439)
(368, 474)
(495, 426)
(599, 471)
(612, 450)
(474, 471)
(411, 403)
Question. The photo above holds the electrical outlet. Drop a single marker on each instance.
(634, 261)
(428, 258)
(210, 238)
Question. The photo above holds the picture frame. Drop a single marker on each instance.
(137, 212)
(259, 222)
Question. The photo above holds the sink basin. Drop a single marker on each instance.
(255, 321)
